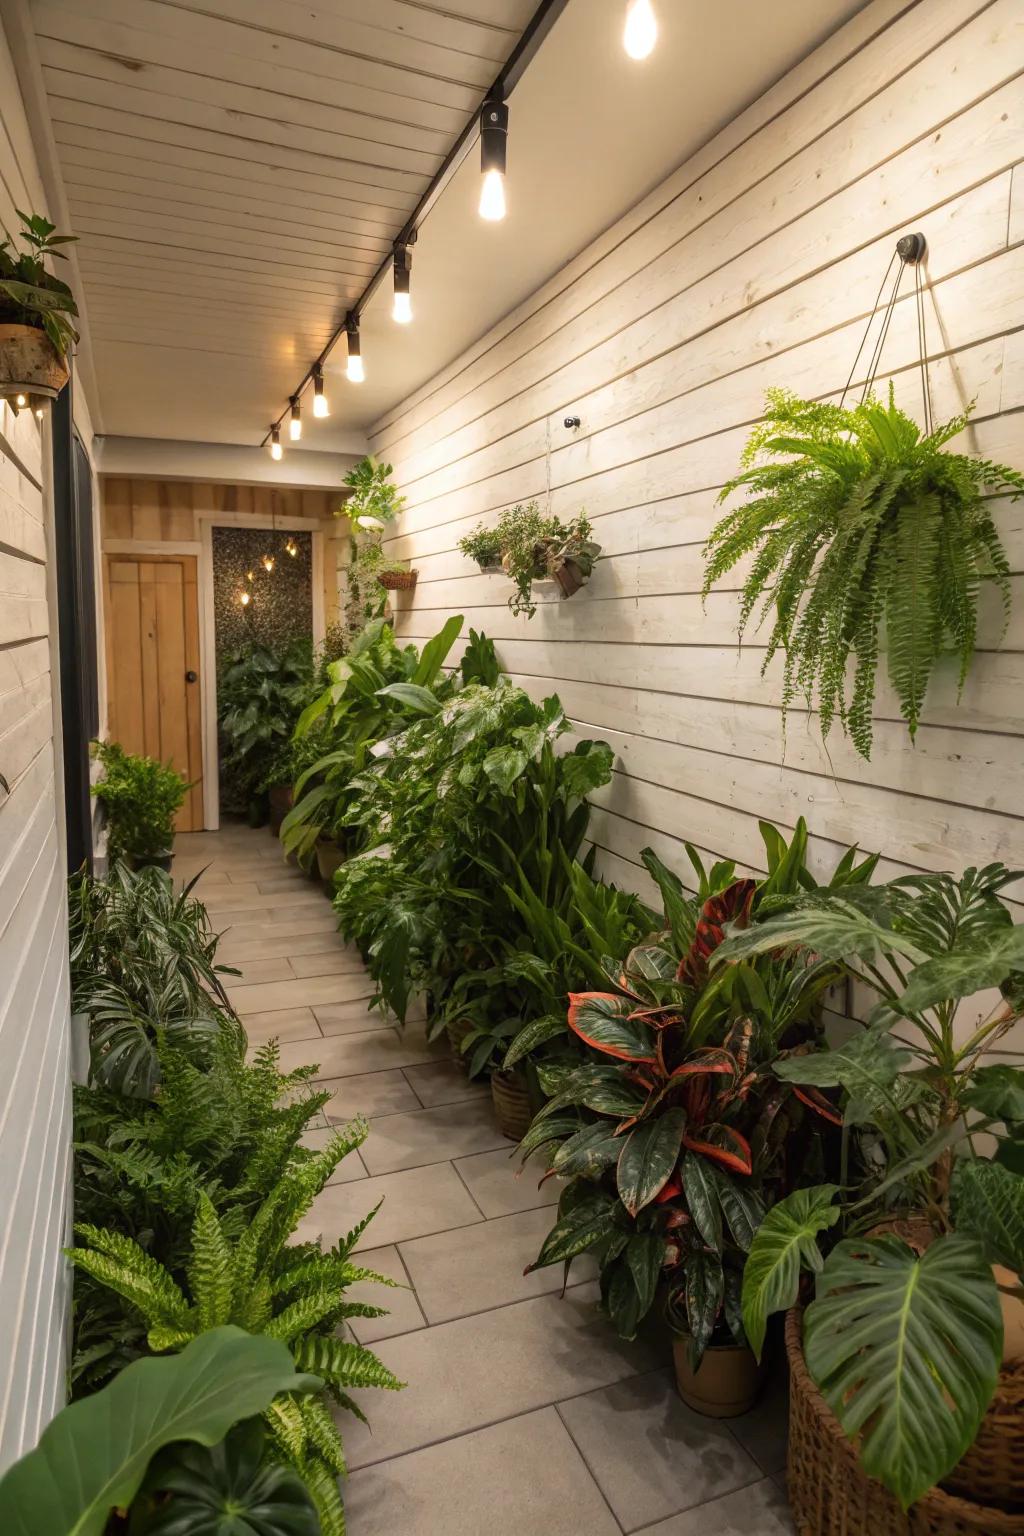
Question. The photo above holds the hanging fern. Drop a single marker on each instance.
(856, 519)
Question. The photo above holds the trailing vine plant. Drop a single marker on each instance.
(857, 519)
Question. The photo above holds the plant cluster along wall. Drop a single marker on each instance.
(281, 606)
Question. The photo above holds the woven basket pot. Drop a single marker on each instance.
(29, 362)
(457, 1032)
(398, 581)
(512, 1108)
(830, 1493)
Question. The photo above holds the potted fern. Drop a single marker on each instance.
(36, 314)
(859, 524)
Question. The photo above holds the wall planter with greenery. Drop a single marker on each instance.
(373, 502)
(866, 536)
(917, 1261)
(37, 311)
(533, 548)
(140, 799)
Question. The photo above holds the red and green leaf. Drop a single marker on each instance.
(648, 1159)
(818, 1102)
(730, 906)
(602, 1020)
(723, 1145)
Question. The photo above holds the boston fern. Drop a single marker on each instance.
(857, 520)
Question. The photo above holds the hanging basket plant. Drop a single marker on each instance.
(866, 535)
(396, 578)
(36, 310)
(530, 547)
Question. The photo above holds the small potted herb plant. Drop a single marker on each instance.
(141, 798)
(484, 546)
(36, 314)
(537, 548)
(373, 502)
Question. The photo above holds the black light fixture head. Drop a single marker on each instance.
(493, 157)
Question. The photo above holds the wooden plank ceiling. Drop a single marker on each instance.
(236, 169)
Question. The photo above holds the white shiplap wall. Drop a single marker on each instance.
(34, 1082)
(755, 264)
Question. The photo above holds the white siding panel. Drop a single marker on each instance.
(755, 264)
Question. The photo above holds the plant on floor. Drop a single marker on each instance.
(856, 520)
(93, 1457)
(140, 798)
(29, 294)
(536, 547)
(143, 964)
(261, 693)
(256, 1280)
(675, 1133)
(899, 1322)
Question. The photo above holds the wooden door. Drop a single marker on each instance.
(153, 666)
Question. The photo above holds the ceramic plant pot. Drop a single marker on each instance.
(727, 1383)
(491, 567)
(29, 363)
(570, 578)
(513, 1111)
(457, 1032)
(281, 800)
(329, 856)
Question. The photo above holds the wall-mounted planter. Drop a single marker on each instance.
(398, 581)
(492, 567)
(30, 363)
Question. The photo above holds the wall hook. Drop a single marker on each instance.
(571, 423)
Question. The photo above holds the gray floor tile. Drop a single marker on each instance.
(274, 968)
(261, 940)
(232, 908)
(443, 1083)
(283, 1024)
(764, 1431)
(458, 1273)
(302, 992)
(352, 1018)
(479, 1370)
(348, 1055)
(651, 1454)
(760, 1510)
(349, 1169)
(403, 1309)
(499, 1188)
(429, 1135)
(416, 1201)
(372, 1093)
(523, 1478)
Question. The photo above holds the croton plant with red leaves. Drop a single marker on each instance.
(676, 1134)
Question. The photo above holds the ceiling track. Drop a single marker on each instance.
(518, 61)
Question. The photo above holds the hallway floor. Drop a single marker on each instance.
(523, 1415)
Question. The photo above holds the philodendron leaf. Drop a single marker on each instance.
(866, 1066)
(988, 1205)
(998, 1092)
(420, 700)
(962, 972)
(648, 1156)
(836, 928)
(94, 1455)
(906, 1349)
(229, 1489)
(786, 1240)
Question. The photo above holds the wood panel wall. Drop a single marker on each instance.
(755, 264)
(35, 1131)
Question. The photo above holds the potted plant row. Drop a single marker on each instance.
(531, 548)
(37, 313)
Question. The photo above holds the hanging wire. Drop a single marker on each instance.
(909, 252)
(922, 348)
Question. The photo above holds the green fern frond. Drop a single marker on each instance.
(211, 1271)
(343, 1365)
(323, 1435)
(118, 1262)
(326, 1495)
(287, 1427)
(346, 1244)
(254, 1307)
(306, 1313)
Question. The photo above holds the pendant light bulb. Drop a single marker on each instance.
(268, 563)
(276, 451)
(402, 308)
(21, 401)
(402, 311)
(641, 30)
(295, 420)
(291, 548)
(354, 371)
(493, 149)
(320, 406)
(245, 598)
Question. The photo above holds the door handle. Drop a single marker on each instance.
(191, 677)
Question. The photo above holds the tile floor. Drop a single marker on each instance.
(523, 1415)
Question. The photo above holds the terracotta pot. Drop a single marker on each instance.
(456, 1033)
(513, 1111)
(398, 581)
(282, 798)
(725, 1385)
(329, 856)
(29, 362)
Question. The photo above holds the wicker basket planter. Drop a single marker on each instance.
(830, 1493)
(29, 363)
(281, 800)
(398, 581)
(457, 1032)
(513, 1111)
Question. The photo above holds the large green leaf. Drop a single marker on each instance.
(579, 1228)
(988, 1204)
(705, 1293)
(834, 927)
(549, 1027)
(413, 696)
(602, 1020)
(786, 1239)
(227, 1489)
(962, 972)
(588, 1152)
(648, 1156)
(906, 1349)
(433, 654)
(94, 1455)
(998, 1092)
(701, 1193)
(867, 1066)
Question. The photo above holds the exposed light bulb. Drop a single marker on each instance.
(250, 575)
(641, 30)
(245, 598)
(354, 371)
(276, 451)
(402, 310)
(295, 421)
(21, 401)
(268, 563)
(492, 197)
(320, 406)
(291, 548)
(39, 413)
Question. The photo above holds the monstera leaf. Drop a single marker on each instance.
(94, 1455)
(988, 1205)
(906, 1349)
(224, 1490)
(786, 1240)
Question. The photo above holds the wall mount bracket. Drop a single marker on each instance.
(912, 248)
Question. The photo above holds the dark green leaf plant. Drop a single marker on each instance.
(29, 294)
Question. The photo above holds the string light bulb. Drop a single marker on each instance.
(402, 309)
(493, 149)
(245, 598)
(295, 420)
(641, 30)
(291, 548)
(320, 406)
(21, 401)
(354, 371)
(250, 575)
(268, 563)
(276, 451)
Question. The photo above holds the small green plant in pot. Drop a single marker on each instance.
(484, 546)
(37, 311)
(535, 547)
(141, 798)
